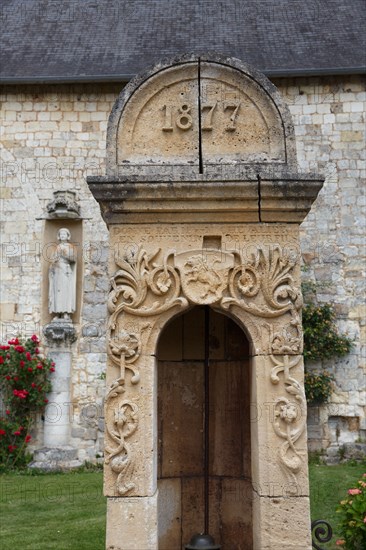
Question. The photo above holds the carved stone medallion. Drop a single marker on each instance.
(204, 274)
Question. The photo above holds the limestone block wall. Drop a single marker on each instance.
(329, 118)
(54, 136)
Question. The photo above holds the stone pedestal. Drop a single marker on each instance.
(57, 453)
(203, 200)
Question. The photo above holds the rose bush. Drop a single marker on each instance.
(352, 512)
(24, 383)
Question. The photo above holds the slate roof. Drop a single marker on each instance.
(104, 40)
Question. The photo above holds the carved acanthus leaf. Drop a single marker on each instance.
(264, 285)
(137, 277)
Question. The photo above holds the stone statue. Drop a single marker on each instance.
(62, 278)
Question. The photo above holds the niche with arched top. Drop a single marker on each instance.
(190, 341)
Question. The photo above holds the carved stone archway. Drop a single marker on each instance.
(203, 202)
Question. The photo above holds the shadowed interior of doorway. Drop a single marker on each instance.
(181, 432)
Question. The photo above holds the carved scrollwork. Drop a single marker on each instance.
(290, 417)
(142, 286)
(121, 420)
(264, 285)
(124, 349)
(121, 423)
(138, 275)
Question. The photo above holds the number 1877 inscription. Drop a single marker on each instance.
(180, 117)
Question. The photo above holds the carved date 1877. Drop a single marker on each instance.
(181, 118)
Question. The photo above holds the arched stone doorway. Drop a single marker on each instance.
(203, 201)
(198, 343)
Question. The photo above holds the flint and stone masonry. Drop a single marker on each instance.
(204, 147)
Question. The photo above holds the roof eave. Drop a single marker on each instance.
(87, 79)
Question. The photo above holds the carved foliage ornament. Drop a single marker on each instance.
(121, 416)
(262, 285)
(290, 414)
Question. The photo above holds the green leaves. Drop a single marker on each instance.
(318, 387)
(24, 383)
(352, 517)
(321, 341)
(321, 337)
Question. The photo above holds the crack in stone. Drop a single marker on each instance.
(259, 198)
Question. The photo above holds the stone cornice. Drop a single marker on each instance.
(255, 199)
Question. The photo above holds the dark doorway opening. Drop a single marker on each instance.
(194, 469)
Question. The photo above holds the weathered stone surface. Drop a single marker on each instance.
(249, 272)
(216, 128)
(59, 152)
(285, 523)
(34, 167)
(55, 459)
(132, 523)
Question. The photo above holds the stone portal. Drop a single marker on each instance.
(203, 200)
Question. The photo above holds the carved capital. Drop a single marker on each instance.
(59, 333)
(63, 206)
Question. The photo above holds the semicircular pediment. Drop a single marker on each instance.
(200, 111)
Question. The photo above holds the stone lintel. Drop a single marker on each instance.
(249, 200)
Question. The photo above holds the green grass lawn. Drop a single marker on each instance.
(329, 485)
(53, 511)
(67, 511)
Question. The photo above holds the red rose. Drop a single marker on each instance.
(13, 342)
(28, 438)
(36, 350)
(4, 348)
(16, 379)
(53, 364)
(46, 400)
(17, 432)
(34, 385)
(28, 356)
(19, 349)
(35, 338)
(12, 448)
(52, 369)
(7, 411)
(39, 367)
(21, 364)
(1, 359)
(2, 432)
(8, 377)
(30, 369)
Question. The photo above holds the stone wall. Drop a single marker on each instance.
(329, 123)
(54, 136)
